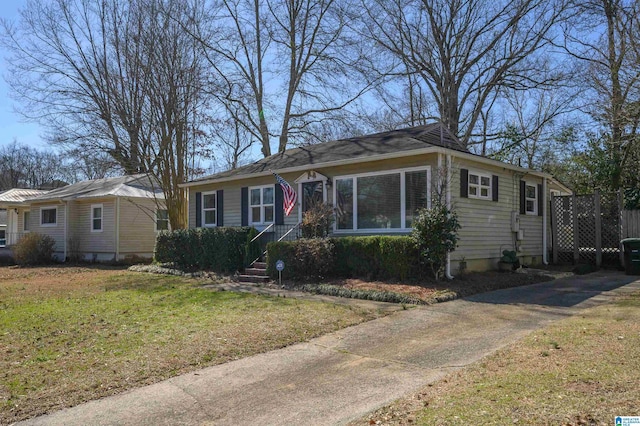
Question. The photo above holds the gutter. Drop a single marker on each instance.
(117, 236)
(447, 272)
(66, 217)
(545, 254)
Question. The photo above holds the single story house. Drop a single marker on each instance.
(98, 220)
(15, 202)
(377, 182)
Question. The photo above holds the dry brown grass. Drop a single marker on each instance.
(72, 334)
(581, 371)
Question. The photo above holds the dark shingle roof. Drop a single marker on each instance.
(409, 139)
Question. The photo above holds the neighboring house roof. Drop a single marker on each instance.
(392, 142)
(133, 186)
(19, 196)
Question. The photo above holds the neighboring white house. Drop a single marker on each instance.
(99, 220)
(15, 202)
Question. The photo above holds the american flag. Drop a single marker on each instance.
(290, 196)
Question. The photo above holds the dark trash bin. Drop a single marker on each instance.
(631, 255)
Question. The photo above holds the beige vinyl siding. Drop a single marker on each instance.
(486, 224)
(57, 231)
(80, 224)
(137, 226)
(232, 190)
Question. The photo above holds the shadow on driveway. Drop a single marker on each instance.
(564, 292)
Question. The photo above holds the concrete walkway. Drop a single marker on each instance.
(344, 375)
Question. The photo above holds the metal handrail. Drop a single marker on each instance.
(262, 232)
(289, 231)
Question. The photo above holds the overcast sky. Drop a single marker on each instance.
(11, 124)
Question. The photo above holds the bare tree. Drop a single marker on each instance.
(25, 167)
(463, 53)
(603, 37)
(116, 77)
(282, 65)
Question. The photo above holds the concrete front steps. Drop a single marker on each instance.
(255, 274)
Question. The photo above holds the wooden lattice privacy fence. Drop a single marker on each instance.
(588, 228)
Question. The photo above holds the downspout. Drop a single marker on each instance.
(447, 272)
(117, 238)
(545, 255)
(66, 216)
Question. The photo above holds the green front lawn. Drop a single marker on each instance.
(68, 335)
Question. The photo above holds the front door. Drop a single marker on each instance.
(312, 193)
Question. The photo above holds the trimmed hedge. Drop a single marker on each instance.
(214, 249)
(372, 258)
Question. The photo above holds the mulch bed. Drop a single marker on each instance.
(431, 291)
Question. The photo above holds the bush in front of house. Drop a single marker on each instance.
(435, 233)
(222, 249)
(375, 257)
(317, 221)
(34, 249)
(306, 258)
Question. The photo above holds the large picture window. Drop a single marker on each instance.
(261, 202)
(378, 201)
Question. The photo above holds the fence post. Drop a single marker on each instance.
(596, 202)
(576, 229)
(554, 229)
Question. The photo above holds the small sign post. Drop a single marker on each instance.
(280, 268)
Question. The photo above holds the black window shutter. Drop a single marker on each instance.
(464, 183)
(523, 201)
(244, 205)
(198, 209)
(540, 205)
(279, 200)
(494, 187)
(219, 207)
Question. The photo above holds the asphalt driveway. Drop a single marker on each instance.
(344, 375)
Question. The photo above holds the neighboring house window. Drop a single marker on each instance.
(96, 217)
(479, 186)
(531, 199)
(48, 216)
(261, 202)
(26, 225)
(162, 220)
(381, 200)
(209, 214)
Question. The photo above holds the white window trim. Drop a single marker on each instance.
(168, 223)
(49, 225)
(101, 207)
(403, 200)
(203, 210)
(480, 175)
(535, 199)
(26, 231)
(261, 205)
